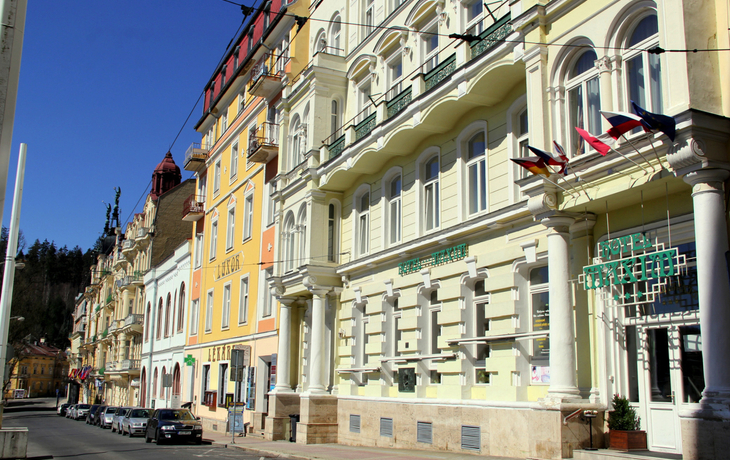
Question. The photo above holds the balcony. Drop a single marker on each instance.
(142, 237)
(136, 278)
(133, 324)
(264, 144)
(130, 366)
(193, 208)
(129, 248)
(266, 76)
(440, 72)
(363, 128)
(336, 148)
(195, 157)
(399, 102)
(493, 35)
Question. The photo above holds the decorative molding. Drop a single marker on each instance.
(542, 204)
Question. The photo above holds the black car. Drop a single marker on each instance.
(173, 425)
(62, 409)
(97, 415)
(90, 415)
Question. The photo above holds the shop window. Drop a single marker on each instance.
(539, 303)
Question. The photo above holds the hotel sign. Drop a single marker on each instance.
(448, 255)
(229, 266)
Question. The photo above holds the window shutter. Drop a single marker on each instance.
(354, 423)
(470, 438)
(386, 427)
(424, 432)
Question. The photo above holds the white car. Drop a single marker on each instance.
(81, 411)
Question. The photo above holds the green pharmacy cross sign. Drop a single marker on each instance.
(636, 276)
(189, 360)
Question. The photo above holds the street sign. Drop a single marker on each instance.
(167, 380)
(240, 356)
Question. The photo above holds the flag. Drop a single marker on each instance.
(662, 123)
(549, 159)
(535, 165)
(602, 143)
(561, 152)
(622, 123)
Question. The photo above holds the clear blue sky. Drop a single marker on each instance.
(104, 89)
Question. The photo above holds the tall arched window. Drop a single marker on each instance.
(289, 236)
(159, 320)
(335, 119)
(362, 223)
(302, 235)
(584, 101)
(147, 322)
(320, 44)
(143, 389)
(393, 185)
(643, 70)
(476, 166)
(431, 201)
(296, 143)
(163, 390)
(154, 384)
(167, 315)
(176, 380)
(180, 308)
(335, 42)
(332, 232)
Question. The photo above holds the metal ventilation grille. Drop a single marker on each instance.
(386, 427)
(424, 432)
(354, 423)
(471, 437)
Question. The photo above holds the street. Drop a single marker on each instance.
(52, 436)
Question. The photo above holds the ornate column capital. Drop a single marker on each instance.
(706, 180)
(558, 223)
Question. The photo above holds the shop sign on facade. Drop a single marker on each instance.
(229, 266)
(624, 262)
(445, 256)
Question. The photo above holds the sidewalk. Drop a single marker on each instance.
(285, 449)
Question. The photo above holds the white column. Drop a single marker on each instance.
(711, 240)
(283, 356)
(317, 353)
(563, 383)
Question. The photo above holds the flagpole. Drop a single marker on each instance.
(559, 186)
(637, 164)
(651, 142)
(637, 151)
(552, 171)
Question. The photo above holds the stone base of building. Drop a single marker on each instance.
(318, 419)
(281, 406)
(705, 438)
(519, 432)
(13, 442)
(258, 421)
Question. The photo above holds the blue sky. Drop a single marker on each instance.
(104, 89)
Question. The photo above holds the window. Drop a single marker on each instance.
(205, 380)
(268, 296)
(224, 121)
(332, 229)
(231, 230)
(289, 237)
(236, 53)
(584, 102)
(241, 101)
(435, 329)
(474, 23)
(154, 384)
(431, 200)
(234, 160)
(476, 166)
(518, 132)
(226, 307)
(394, 210)
(180, 308)
(209, 312)
(364, 106)
(217, 178)
(250, 40)
(320, 43)
(248, 217)
(296, 143)
(369, 16)
(335, 41)
(203, 186)
(643, 70)
(198, 250)
(147, 322)
(539, 302)
(159, 320)
(302, 235)
(362, 231)
(167, 316)
(267, 15)
(430, 41)
(395, 74)
(194, 309)
(213, 238)
(223, 80)
(222, 383)
(270, 203)
(336, 121)
(243, 302)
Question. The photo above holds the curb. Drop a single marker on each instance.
(267, 453)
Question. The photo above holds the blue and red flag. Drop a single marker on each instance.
(657, 121)
(622, 123)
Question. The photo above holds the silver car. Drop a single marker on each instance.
(135, 421)
(105, 421)
(117, 420)
(82, 410)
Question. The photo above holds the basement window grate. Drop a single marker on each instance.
(386, 427)
(354, 423)
(424, 432)
(471, 438)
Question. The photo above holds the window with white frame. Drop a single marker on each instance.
(584, 100)
(226, 307)
(302, 235)
(202, 187)
(431, 200)
(320, 43)
(234, 161)
(231, 228)
(393, 209)
(362, 222)
(209, 312)
(364, 104)
(248, 216)
(205, 380)
(213, 239)
(243, 301)
(368, 18)
(435, 329)
(643, 69)
(217, 178)
(296, 143)
(282, 52)
(335, 41)
(224, 121)
(222, 382)
(430, 46)
(289, 237)
(335, 120)
(519, 138)
(236, 54)
(474, 15)
(475, 157)
(270, 202)
(198, 260)
(332, 231)
(540, 310)
(194, 310)
(241, 101)
(268, 296)
(395, 74)
(481, 327)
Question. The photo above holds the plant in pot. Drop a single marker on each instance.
(623, 425)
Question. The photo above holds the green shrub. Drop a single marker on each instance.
(623, 416)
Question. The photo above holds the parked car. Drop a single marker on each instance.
(135, 421)
(107, 417)
(62, 409)
(116, 421)
(92, 413)
(173, 425)
(71, 410)
(98, 414)
(81, 411)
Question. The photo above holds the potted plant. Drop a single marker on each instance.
(623, 425)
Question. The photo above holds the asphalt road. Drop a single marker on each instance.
(54, 437)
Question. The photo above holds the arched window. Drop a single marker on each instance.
(333, 217)
(584, 101)
(643, 70)
(289, 236)
(147, 322)
(336, 119)
(320, 44)
(176, 380)
(296, 143)
(393, 189)
(476, 167)
(518, 137)
(167, 315)
(159, 320)
(154, 384)
(163, 390)
(180, 308)
(301, 230)
(143, 389)
(362, 222)
(335, 43)
(431, 200)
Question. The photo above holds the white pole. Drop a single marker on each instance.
(6, 295)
